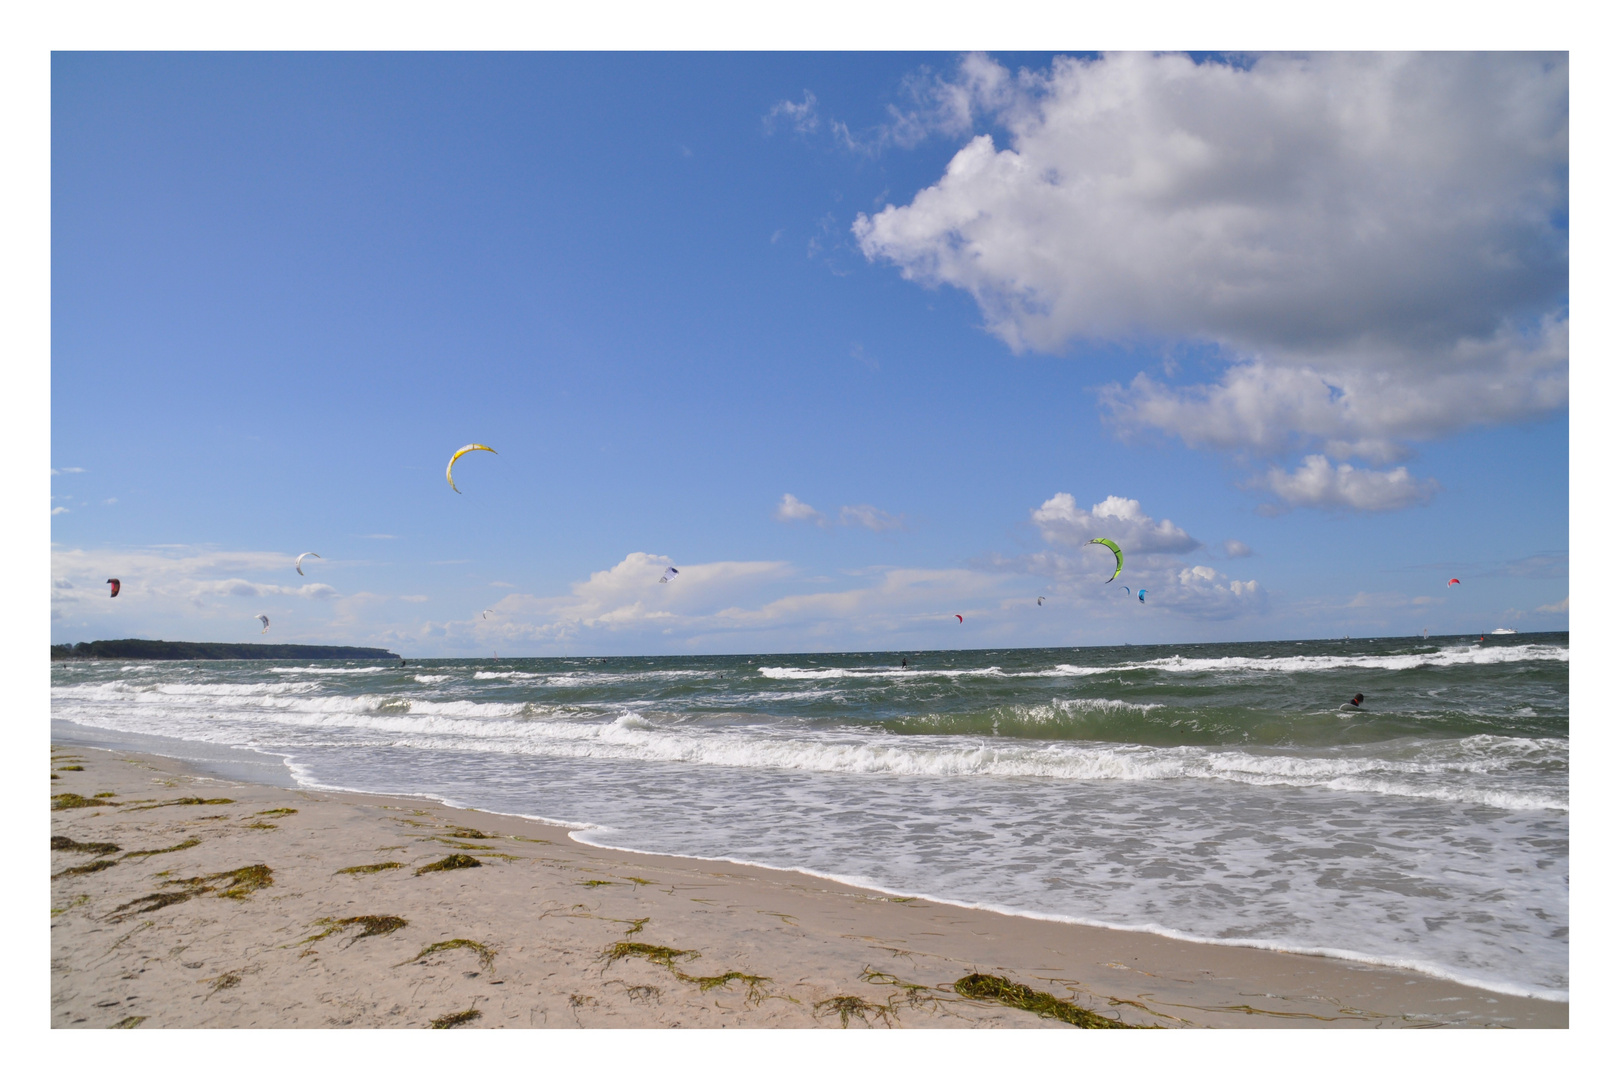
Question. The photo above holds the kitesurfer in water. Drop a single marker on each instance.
(905, 661)
(1353, 703)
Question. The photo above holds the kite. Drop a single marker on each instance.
(116, 585)
(298, 563)
(465, 449)
(1119, 556)
(1039, 600)
(959, 619)
(1127, 589)
(265, 619)
(486, 612)
(669, 575)
(1141, 596)
(1452, 582)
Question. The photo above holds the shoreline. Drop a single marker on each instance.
(575, 934)
(292, 782)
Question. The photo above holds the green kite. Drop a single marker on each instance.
(1119, 556)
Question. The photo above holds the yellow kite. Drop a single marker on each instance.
(470, 446)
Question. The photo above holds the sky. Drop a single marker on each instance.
(859, 342)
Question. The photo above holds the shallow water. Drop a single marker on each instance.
(1206, 791)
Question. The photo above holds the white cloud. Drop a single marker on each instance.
(801, 115)
(1560, 608)
(417, 599)
(1373, 244)
(629, 597)
(66, 469)
(1357, 412)
(791, 509)
(378, 536)
(866, 516)
(1120, 520)
(1236, 549)
(171, 587)
(1079, 569)
(58, 510)
(1317, 483)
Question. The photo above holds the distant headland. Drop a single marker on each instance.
(140, 649)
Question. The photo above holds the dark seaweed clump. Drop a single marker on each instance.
(280, 811)
(486, 954)
(450, 1020)
(450, 862)
(370, 926)
(658, 954)
(236, 884)
(87, 868)
(189, 800)
(370, 868)
(69, 801)
(63, 843)
(847, 1006)
(982, 987)
(188, 842)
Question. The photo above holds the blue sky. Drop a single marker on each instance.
(967, 310)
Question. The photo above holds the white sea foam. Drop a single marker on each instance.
(879, 673)
(431, 680)
(330, 670)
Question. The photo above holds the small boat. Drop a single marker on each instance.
(1499, 630)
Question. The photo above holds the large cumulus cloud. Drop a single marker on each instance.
(1375, 244)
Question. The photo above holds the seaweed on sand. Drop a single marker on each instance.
(449, 862)
(67, 800)
(280, 811)
(236, 884)
(450, 1020)
(239, 882)
(75, 902)
(486, 954)
(469, 834)
(370, 868)
(189, 800)
(130, 1022)
(153, 902)
(188, 842)
(71, 768)
(847, 1006)
(658, 954)
(981, 987)
(370, 926)
(713, 982)
(87, 868)
(64, 843)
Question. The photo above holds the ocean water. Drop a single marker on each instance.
(1209, 792)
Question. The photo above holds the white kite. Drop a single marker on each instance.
(669, 575)
(298, 564)
(265, 619)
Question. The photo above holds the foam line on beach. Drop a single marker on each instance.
(1433, 970)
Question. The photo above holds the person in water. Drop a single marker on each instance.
(905, 661)
(1353, 703)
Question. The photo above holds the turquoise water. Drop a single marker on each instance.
(1212, 792)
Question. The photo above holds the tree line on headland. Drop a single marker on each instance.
(140, 649)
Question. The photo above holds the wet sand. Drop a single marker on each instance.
(230, 904)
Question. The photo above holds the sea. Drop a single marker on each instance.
(1211, 792)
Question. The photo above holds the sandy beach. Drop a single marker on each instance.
(183, 900)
